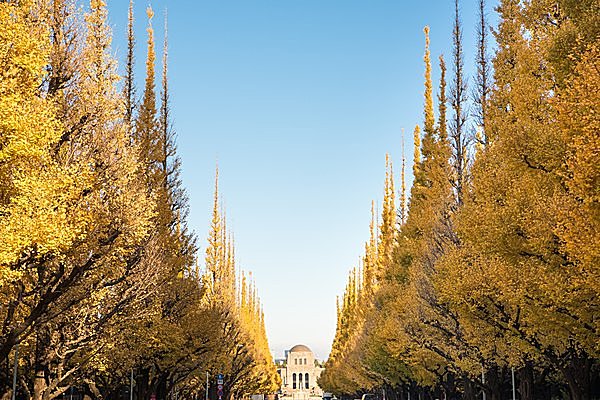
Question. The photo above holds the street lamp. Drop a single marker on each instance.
(15, 368)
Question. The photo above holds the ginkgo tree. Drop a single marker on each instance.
(495, 266)
(98, 275)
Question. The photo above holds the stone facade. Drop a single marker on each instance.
(299, 373)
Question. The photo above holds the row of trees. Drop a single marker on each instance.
(99, 284)
(491, 272)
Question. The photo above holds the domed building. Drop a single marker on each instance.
(299, 372)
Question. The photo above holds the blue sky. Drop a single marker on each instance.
(299, 101)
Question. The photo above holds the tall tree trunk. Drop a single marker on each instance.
(450, 387)
(577, 374)
(5, 372)
(41, 371)
(401, 393)
(142, 383)
(469, 389)
(413, 390)
(494, 379)
(161, 387)
(526, 382)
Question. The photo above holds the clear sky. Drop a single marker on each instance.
(299, 101)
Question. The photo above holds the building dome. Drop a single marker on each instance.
(300, 348)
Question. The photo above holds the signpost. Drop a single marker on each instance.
(220, 386)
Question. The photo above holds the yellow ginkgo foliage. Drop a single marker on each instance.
(35, 188)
